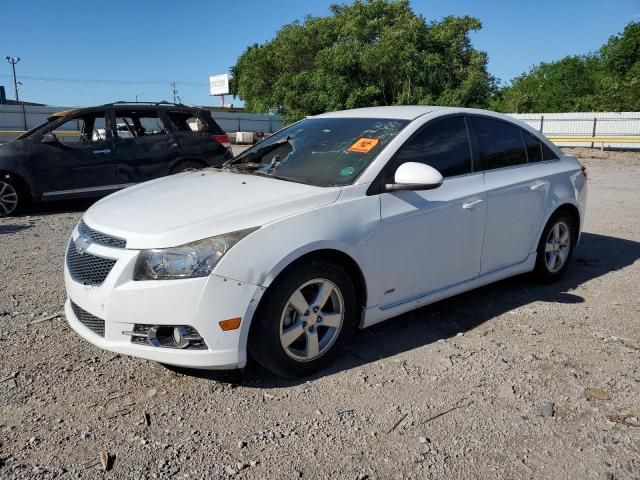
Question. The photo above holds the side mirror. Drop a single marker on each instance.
(415, 176)
(50, 139)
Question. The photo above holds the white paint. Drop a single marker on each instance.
(413, 247)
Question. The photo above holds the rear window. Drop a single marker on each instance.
(501, 144)
(322, 151)
(192, 122)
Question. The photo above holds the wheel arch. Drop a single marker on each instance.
(331, 255)
(21, 182)
(567, 207)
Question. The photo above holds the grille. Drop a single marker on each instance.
(86, 268)
(101, 238)
(95, 324)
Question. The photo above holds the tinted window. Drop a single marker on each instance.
(547, 153)
(534, 147)
(500, 143)
(443, 146)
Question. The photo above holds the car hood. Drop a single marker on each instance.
(191, 206)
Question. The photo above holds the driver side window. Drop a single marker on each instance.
(443, 145)
(83, 130)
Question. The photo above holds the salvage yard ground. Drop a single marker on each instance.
(514, 380)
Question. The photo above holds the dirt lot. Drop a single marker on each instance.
(515, 380)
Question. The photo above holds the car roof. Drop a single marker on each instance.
(126, 105)
(406, 112)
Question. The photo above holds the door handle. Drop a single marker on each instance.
(98, 152)
(472, 204)
(538, 185)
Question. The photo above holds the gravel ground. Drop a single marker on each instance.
(514, 380)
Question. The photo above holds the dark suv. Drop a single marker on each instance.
(95, 151)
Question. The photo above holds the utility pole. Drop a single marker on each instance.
(174, 91)
(13, 61)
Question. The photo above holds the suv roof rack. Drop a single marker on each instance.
(163, 102)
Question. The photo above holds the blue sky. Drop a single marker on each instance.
(138, 47)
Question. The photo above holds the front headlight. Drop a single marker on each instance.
(196, 259)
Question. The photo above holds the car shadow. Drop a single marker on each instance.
(77, 205)
(10, 228)
(596, 255)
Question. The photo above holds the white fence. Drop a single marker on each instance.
(585, 124)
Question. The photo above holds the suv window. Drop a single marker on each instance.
(443, 145)
(82, 130)
(139, 124)
(501, 144)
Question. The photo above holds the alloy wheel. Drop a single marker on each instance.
(311, 320)
(8, 198)
(557, 246)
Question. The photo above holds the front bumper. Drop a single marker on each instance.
(200, 303)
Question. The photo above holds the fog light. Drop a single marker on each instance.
(179, 337)
(167, 336)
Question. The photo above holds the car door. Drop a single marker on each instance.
(517, 193)
(432, 239)
(146, 145)
(76, 157)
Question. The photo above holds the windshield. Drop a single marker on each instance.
(320, 151)
(33, 130)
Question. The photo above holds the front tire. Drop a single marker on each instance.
(555, 248)
(10, 197)
(305, 320)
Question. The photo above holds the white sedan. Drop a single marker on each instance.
(341, 220)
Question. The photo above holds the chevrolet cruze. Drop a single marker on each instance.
(339, 221)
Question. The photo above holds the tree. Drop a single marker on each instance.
(601, 81)
(373, 52)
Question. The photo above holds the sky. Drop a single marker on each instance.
(83, 53)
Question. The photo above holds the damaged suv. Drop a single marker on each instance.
(95, 151)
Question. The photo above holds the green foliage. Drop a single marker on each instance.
(373, 52)
(608, 80)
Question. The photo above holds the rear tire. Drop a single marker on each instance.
(555, 247)
(11, 196)
(187, 166)
(305, 320)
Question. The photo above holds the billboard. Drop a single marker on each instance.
(219, 84)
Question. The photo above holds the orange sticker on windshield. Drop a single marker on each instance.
(363, 145)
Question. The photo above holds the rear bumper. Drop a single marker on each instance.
(200, 303)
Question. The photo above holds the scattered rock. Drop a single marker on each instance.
(106, 461)
(152, 392)
(229, 470)
(636, 375)
(241, 444)
(596, 394)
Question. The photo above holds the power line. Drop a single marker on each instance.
(106, 82)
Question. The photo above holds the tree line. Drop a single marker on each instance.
(379, 52)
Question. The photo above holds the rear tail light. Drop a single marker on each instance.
(222, 139)
(584, 172)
